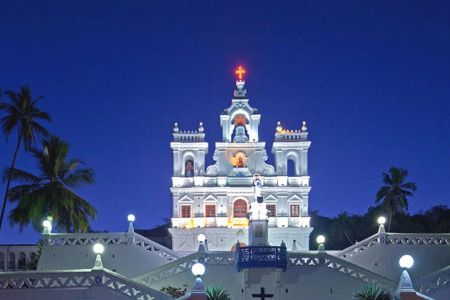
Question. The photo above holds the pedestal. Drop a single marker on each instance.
(258, 233)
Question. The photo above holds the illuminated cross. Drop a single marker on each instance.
(240, 71)
(262, 295)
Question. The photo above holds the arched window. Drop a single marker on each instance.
(22, 262)
(12, 261)
(290, 165)
(189, 168)
(2, 261)
(240, 209)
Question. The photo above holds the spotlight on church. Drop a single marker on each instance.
(131, 218)
(98, 248)
(406, 261)
(381, 220)
(201, 238)
(198, 269)
(320, 239)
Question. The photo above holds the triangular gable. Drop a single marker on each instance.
(186, 199)
(210, 198)
(271, 198)
(295, 198)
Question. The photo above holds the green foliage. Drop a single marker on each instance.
(34, 259)
(216, 292)
(394, 193)
(21, 114)
(372, 292)
(359, 227)
(49, 193)
(174, 292)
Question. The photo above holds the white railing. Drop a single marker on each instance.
(83, 239)
(415, 239)
(434, 281)
(342, 266)
(79, 279)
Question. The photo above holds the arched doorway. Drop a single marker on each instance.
(240, 208)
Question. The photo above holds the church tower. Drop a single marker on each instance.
(216, 201)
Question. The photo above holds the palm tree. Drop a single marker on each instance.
(372, 292)
(340, 228)
(216, 292)
(22, 115)
(49, 193)
(393, 194)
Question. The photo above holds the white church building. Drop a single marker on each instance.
(215, 200)
(239, 223)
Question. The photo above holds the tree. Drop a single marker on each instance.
(372, 292)
(216, 292)
(395, 192)
(340, 229)
(21, 115)
(50, 194)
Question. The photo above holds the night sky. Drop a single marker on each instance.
(371, 78)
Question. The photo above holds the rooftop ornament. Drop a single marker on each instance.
(98, 250)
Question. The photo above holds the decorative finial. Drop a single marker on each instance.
(279, 128)
(200, 127)
(175, 127)
(240, 71)
(304, 128)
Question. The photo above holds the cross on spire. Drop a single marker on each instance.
(262, 295)
(240, 71)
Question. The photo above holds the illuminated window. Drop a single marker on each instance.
(271, 210)
(240, 209)
(185, 211)
(210, 211)
(295, 210)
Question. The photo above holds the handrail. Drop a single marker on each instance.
(416, 239)
(434, 281)
(121, 238)
(76, 279)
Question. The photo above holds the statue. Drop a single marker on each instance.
(258, 207)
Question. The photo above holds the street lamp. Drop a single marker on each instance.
(321, 241)
(98, 250)
(381, 221)
(131, 218)
(198, 269)
(405, 285)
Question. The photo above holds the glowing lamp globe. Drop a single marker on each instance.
(320, 239)
(47, 224)
(381, 220)
(98, 248)
(406, 261)
(198, 269)
(131, 218)
(201, 238)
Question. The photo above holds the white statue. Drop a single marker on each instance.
(258, 207)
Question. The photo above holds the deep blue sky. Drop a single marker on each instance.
(372, 79)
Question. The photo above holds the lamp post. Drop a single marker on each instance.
(131, 218)
(198, 291)
(381, 221)
(405, 285)
(47, 224)
(321, 241)
(98, 250)
(201, 238)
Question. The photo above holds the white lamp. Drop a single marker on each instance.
(98, 249)
(131, 218)
(47, 224)
(201, 238)
(198, 269)
(321, 240)
(406, 261)
(381, 220)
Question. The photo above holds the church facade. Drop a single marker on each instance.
(215, 200)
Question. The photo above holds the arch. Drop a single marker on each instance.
(235, 113)
(188, 164)
(240, 208)
(2, 261)
(292, 161)
(12, 261)
(22, 262)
